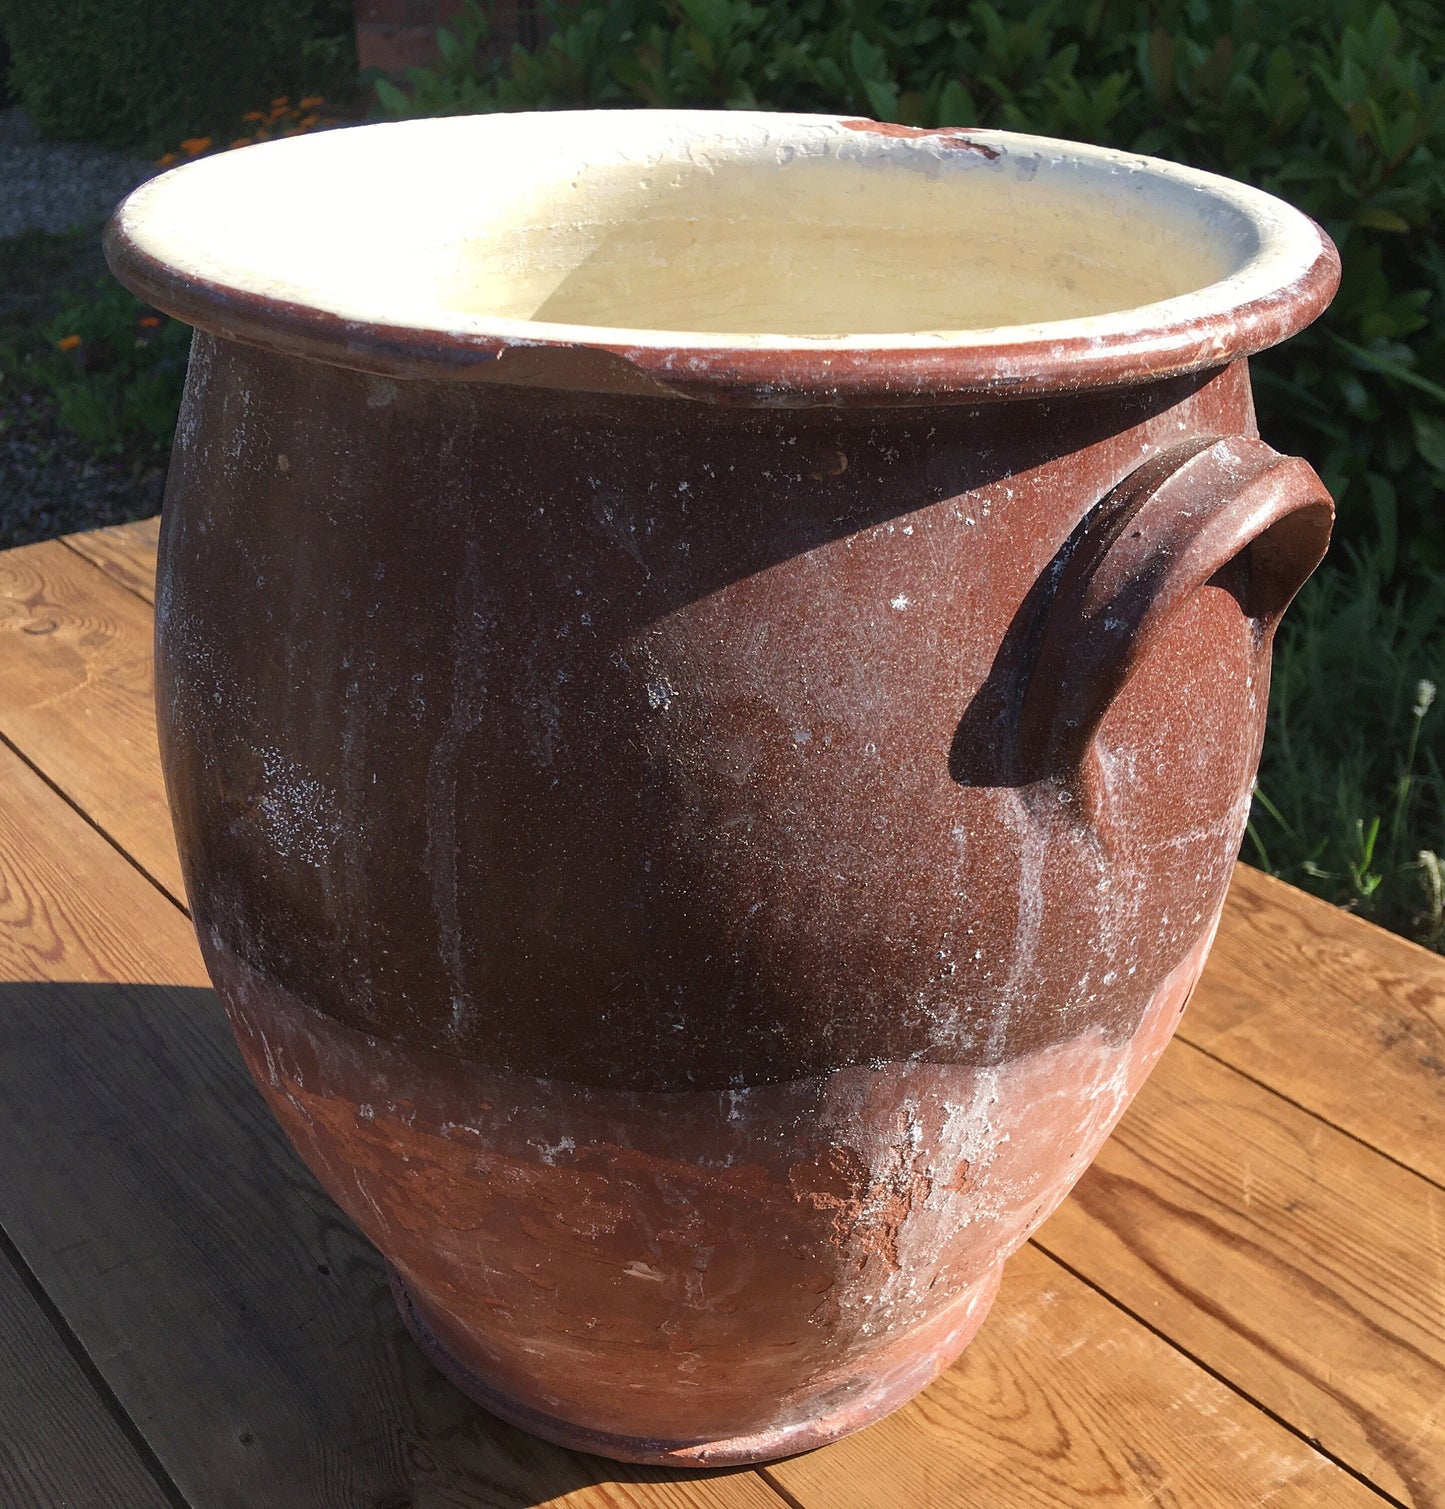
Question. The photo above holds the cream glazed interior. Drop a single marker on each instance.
(662, 233)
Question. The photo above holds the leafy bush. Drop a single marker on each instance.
(1338, 106)
(145, 73)
(50, 481)
(112, 367)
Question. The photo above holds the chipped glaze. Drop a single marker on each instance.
(701, 832)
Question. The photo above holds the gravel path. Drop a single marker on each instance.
(58, 186)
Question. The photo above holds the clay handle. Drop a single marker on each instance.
(1156, 540)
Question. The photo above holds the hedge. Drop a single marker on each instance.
(145, 74)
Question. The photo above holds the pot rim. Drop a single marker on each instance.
(1285, 280)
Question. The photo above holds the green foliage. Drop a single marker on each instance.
(115, 368)
(1338, 106)
(1351, 796)
(145, 74)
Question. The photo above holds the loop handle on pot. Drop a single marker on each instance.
(1159, 537)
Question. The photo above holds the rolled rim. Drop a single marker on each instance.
(174, 242)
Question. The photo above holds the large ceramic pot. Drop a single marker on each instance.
(710, 669)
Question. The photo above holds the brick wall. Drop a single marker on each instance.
(395, 35)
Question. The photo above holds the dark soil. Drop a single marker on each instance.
(50, 482)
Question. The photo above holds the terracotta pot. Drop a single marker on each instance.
(702, 808)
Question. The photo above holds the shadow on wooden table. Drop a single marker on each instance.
(239, 1319)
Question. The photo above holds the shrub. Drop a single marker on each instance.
(1338, 106)
(113, 366)
(144, 73)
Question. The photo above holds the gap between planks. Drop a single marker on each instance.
(124, 552)
(65, 1440)
(76, 697)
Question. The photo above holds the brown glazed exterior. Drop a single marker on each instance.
(698, 875)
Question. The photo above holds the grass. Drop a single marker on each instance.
(38, 270)
(1350, 802)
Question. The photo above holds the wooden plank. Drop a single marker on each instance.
(1298, 1264)
(76, 684)
(238, 1317)
(1343, 1017)
(60, 1446)
(126, 552)
(1061, 1402)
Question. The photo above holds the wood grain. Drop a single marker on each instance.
(125, 552)
(60, 1448)
(239, 1318)
(71, 908)
(1058, 1404)
(1299, 1265)
(1341, 1016)
(76, 693)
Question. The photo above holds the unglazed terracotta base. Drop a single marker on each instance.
(875, 1392)
(675, 1246)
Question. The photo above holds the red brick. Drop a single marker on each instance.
(394, 49)
(395, 35)
(411, 12)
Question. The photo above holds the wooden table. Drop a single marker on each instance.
(1242, 1303)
